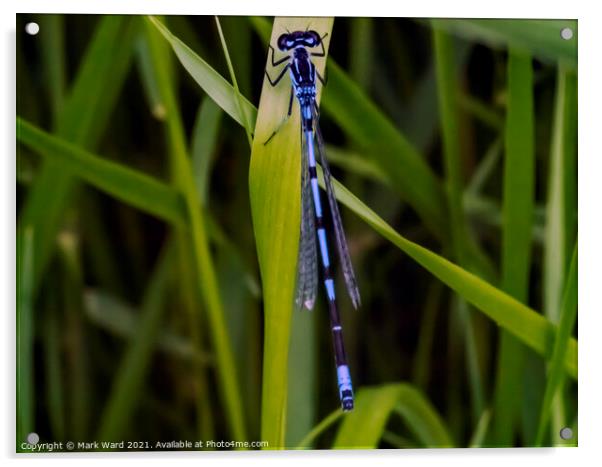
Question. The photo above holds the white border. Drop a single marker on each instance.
(590, 323)
(422, 8)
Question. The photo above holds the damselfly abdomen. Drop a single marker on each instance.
(304, 78)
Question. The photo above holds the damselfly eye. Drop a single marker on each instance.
(311, 38)
(284, 42)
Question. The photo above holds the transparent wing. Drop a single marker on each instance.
(307, 262)
(341, 242)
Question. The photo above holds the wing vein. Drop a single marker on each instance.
(342, 248)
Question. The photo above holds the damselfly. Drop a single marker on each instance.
(303, 76)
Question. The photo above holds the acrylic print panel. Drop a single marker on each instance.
(169, 215)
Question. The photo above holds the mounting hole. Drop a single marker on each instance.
(566, 433)
(32, 28)
(33, 438)
(566, 34)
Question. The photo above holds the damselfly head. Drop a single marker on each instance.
(298, 39)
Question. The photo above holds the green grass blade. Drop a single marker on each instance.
(519, 177)
(478, 437)
(209, 80)
(540, 38)
(361, 51)
(53, 367)
(238, 31)
(74, 331)
(129, 380)
(460, 239)
(203, 261)
(485, 169)
(561, 215)
(529, 326)
(149, 81)
(364, 427)
(274, 183)
(83, 118)
(239, 97)
(347, 104)
(422, 419)
(422, 361)
(398, 442)
(320, 428)
(111, 314)
(481, 111)
(189, 292)
(52, 43)
(303, 393)
(135, 188)
(25, 336)
(452, 151)
(130, 186)
(518, 208)
(204, 138)
(238, 287)
(568, 316)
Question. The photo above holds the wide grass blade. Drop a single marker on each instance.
(538, 37)
(83, 119)
(123, 183)
(135, 188)
(364, 427)
(523, 322)
(274, 182)
(303, 393)
(518, 211)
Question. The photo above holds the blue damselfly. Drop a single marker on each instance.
(303, 76)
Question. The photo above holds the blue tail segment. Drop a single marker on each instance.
(343, 376)
(303, 76)
(345, 387)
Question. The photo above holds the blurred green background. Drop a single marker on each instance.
(139, 294)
